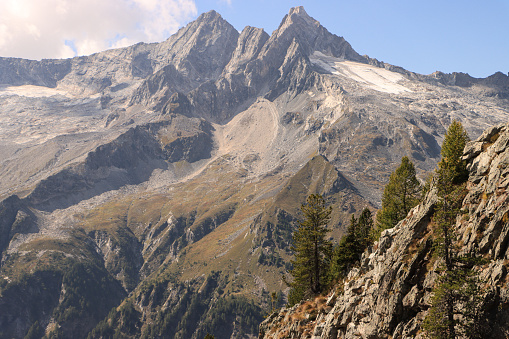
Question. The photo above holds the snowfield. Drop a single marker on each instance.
(373, 77)
(31, 91)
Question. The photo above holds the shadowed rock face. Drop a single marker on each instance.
(47, 73)
(174, 171)
(128, 160)
(15, 218)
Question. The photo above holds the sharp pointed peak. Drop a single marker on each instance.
(298, 14)
(299, 10)
(210, 16)
(210, 13)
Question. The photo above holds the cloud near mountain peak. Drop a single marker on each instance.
(65, 28)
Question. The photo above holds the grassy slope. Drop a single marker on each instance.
(207, 245)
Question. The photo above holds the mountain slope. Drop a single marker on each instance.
(177, 169)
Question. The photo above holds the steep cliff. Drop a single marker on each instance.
(388, 294)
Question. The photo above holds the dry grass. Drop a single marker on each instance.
(283, 334)
(309, 309)
(505, 217)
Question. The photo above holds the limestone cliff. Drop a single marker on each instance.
(388, 295)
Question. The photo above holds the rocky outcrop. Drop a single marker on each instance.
(122, 255)
(157, 89)
(16, 72)
(15, 218)
(388, 295)
(129, 159)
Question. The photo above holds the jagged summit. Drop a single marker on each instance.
(305, 34)
(209, 17)
(298, 15)
(299, 10)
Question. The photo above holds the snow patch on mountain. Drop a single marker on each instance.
(31, 91)
(376, 78)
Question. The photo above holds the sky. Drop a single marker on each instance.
(470, 36)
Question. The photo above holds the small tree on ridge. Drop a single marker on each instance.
(312, 250)
(401, 194)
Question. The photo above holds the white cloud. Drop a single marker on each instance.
(36, 29)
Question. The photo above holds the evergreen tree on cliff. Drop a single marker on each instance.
(451, 168)
(312, 250)
(456, 305)
(401, 194)
(351, 246)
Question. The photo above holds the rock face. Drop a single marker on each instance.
(127, 160)
(171, 174)
(388, 295)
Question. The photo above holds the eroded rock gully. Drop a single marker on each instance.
(388, 295)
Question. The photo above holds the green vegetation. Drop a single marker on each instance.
(147, 234)
(126, 320)
(350, 248)
(451, 168)
(401, 194)
(181, 310)
(312, 250)
(316, 263)
(36, 331)
(456, 305)
(90, 292)
(228, 310)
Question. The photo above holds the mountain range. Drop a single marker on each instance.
(152, 190)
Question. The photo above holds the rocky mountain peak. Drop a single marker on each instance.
(169, 176)
(297, 20)
(299, 10)
(202, 48)
(298, 15)
(210, 18)
(210, 15)
(311, 36)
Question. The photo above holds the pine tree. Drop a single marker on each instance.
(352, 245)
(440, 321)
(401, 194)
(456, 305)
(345, 253)
(452, 149)
(312, 250)
(363, 236)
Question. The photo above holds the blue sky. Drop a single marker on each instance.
(421, 36)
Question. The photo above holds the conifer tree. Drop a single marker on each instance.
(456, 306)
(452, 149)
(401, 194)
(363, 236)
(352, 245)
(312, 250)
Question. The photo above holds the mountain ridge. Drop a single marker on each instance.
(178, 168)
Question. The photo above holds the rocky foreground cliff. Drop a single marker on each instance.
(388, 294)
